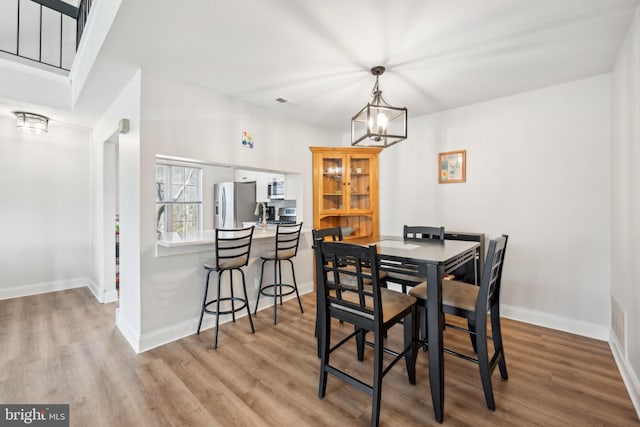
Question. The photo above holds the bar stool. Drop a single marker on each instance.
(232, 250)
(287, 239)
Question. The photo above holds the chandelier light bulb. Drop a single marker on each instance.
(383, 121)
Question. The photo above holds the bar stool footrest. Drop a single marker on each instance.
(237, 299)
(291, 290)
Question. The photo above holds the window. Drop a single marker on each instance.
(178, 198)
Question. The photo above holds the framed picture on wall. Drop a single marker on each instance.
(452, 167)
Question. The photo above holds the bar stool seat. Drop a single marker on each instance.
(232, 249)
(286, 247)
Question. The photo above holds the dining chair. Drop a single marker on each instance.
(334, 234)
(472, 303)
(287, 240)
(331, 233)
(232, 248)
(404, 278)
(471, 271)
(368, 307)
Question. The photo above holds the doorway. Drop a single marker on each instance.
(110, 276)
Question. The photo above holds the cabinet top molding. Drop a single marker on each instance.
(350, 150)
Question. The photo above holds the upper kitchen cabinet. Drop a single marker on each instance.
(243, 175)
(345, 190)
(269, 185)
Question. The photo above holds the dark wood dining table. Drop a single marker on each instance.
(431, 259)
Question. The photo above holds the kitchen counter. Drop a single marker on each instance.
(180, 243)
(205, 237)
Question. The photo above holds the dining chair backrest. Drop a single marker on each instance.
(423, 232)
(233, 247)
(332, 233)
(287, 240)
(489, 292)
(359, 264)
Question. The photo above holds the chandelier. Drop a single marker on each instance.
(378, 124)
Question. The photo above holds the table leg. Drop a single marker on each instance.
(435, 323)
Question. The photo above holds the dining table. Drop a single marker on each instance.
(430, 259)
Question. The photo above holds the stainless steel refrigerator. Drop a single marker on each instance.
(235, 203)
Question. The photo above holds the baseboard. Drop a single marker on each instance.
(628, 374)
(186, 328)
(43, 287)
(128, 332)
(553, 321)
(101, 295)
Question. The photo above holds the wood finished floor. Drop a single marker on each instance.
(63, 347)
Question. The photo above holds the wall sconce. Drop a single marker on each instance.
(31, 123)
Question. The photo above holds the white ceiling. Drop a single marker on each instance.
(439, 54)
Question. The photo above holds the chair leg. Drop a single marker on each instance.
(295, 285)
(280, 278)
(360, 339)
(483, 362)
(471, 324)
(215, 341)
(496, 332)
(233, 306)
(377, 380)
(246, 300)
(411, 341)
(204, 300)
(275, 293)
(324, 341)
(318, 344)
(318, 320)
(255, 311)
(424, 326)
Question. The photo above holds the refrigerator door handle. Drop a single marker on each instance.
(224, 208)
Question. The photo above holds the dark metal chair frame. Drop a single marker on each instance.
(333, 234)
(488, 301)
(362, 306)
(231, 245)
(287, 241)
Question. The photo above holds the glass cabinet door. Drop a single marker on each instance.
(359, 183)
(333, 184)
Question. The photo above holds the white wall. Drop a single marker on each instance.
(45, 214)
(27, 84)
(625, 190)
(181, 120)
(538, 170)
(126, 105)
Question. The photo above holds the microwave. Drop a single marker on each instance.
(276, 189)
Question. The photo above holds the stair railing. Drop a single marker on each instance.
(54, 18)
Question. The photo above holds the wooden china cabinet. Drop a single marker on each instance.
(345, 190)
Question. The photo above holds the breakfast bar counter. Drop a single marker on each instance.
(201, 241)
